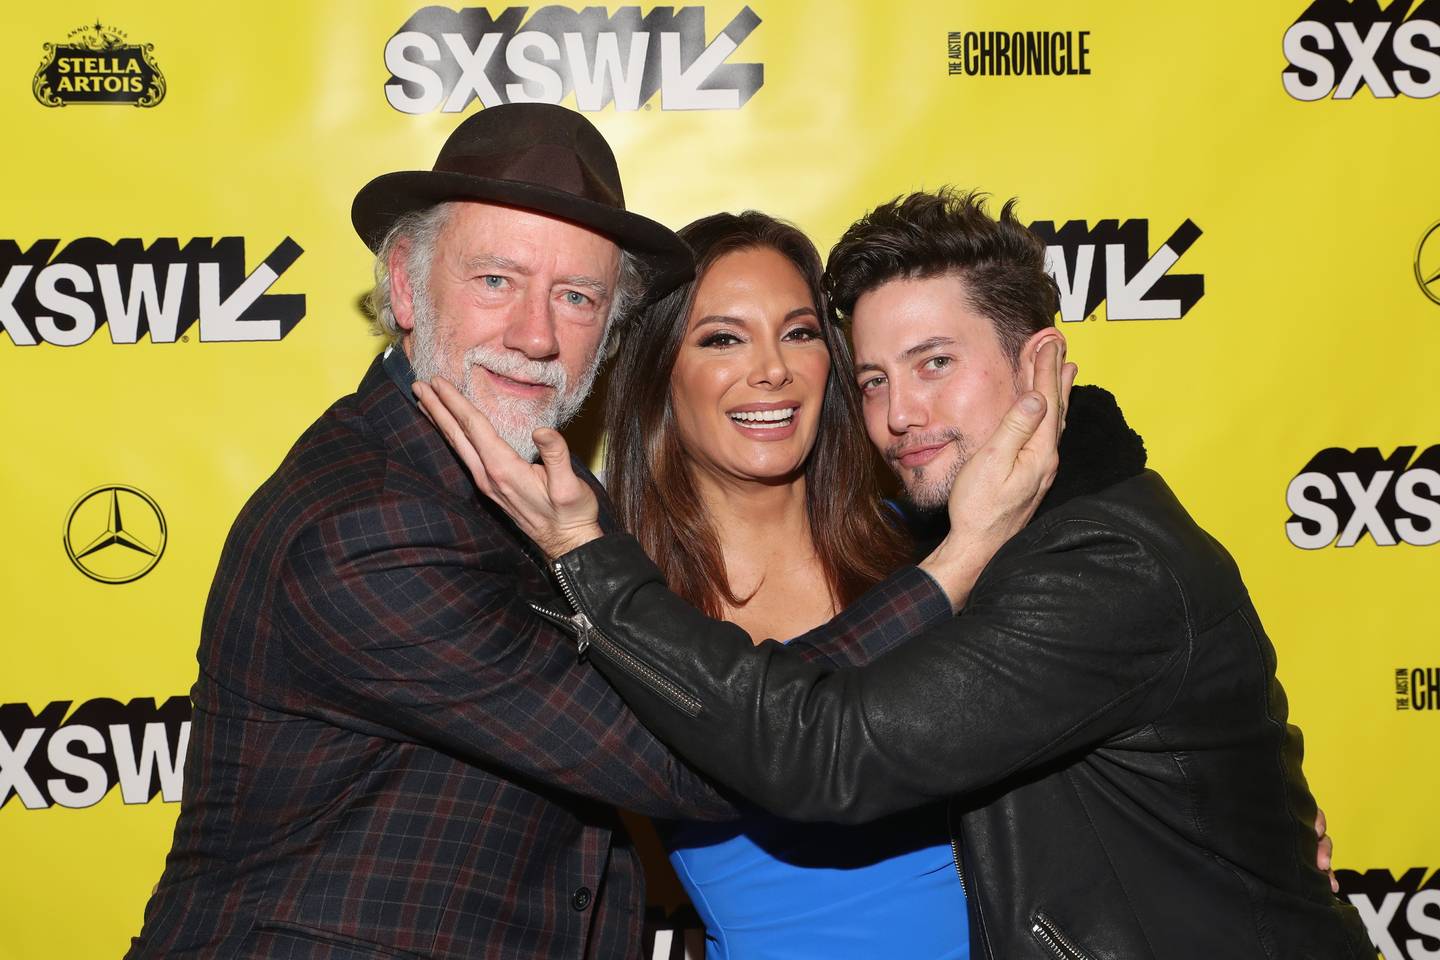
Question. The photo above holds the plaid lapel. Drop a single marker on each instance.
(401, 425)
(403, 428)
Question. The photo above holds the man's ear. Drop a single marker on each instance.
(402, 291)
(1025, 372)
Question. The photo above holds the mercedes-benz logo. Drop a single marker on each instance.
(115, 534)
(1427, 262)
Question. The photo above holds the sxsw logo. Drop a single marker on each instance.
(443, 58)
(1338, 46)
(1348, 495)
(1112, 263)
(48, 758)
(133, 290)
(1401, 916)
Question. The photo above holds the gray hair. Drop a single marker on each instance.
(418, 231)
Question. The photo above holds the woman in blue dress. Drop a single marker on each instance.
(736, 455)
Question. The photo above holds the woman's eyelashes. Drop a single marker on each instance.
(726, 338)
(804, 334)
(720, 338)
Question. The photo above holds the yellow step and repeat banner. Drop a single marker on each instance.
(1243, 209)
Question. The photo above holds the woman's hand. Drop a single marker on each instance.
(999, 487)
(546, 500)
(1325, 851)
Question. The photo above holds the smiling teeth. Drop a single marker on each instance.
(778, 418)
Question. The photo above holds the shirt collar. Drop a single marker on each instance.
(397, 365)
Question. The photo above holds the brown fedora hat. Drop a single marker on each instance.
(538, 156)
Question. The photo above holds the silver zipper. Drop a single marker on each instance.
(579, 623)
(591, 636)
(955, 846)
(960, 871)
(1053, 937)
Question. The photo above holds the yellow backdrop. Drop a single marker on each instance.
(1275, 229)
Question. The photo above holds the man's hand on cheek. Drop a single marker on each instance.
(553, 506)
(997, 490)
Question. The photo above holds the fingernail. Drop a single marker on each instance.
(1031, 405)
(418, 387)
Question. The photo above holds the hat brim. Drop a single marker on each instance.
(667, 261)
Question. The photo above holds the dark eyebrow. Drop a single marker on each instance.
(924, 346)
(738, 322)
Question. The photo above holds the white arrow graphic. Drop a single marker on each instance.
(680, 89)
(1126, 301)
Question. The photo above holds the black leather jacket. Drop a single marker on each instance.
(1104, 713)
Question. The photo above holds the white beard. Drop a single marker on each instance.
(432, 354)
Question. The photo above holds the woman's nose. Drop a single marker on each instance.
(770, 369)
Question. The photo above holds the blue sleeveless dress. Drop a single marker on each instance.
(773, 889)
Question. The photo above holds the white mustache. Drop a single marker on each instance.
(515, 366)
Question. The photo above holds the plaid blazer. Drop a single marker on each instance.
(391, 754)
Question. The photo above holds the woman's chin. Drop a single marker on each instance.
(768, 471)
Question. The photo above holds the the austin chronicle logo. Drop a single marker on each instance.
(115, 534)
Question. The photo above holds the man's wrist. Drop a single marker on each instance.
(569, 540)
(955, 570)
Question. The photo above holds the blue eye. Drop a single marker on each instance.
(575, 299)
(494, 282)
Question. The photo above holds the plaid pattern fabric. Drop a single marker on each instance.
(391, 754)
(903, 605)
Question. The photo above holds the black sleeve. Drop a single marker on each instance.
(1054, 651)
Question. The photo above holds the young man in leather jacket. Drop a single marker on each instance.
(1102, 713)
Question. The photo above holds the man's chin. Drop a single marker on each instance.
(929, 487)
(928, 496)
(519, 436)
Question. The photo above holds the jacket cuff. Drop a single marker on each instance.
(609, 561)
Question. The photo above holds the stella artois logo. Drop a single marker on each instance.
(96, 65)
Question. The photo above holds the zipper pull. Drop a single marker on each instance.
(583, 643)
(582, 622)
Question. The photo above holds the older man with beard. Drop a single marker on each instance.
(393, 754)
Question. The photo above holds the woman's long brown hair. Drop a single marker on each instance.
(648, 474)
